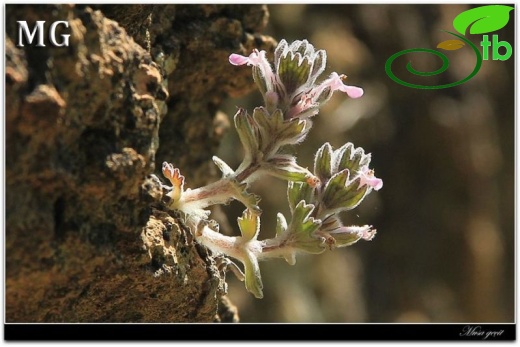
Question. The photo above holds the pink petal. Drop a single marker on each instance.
(334, 81)
(375, 183)
(368, 234)
(237, 59)
(353, 92)
(367, 178)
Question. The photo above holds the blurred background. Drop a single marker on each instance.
(444, 251)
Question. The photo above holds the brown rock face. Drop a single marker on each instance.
(86, 240)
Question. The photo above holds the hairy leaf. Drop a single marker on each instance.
(298, 191)
(226, 170)
(253, 277)
(284, 166)
(302, 229)
(247, 134)
(341, 195)
(348, 157)
(323, 162)
(294, 70)
(249, 225)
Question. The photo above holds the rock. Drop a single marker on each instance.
(86, 240)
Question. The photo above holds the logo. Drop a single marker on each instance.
(479, 20)
(39, 31)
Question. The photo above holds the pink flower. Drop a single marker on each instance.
(367, 178)
(259, 62)
(237, 59)
(257, 58)
(335, 82)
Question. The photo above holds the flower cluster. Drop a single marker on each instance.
(341, 178)
(290, 86)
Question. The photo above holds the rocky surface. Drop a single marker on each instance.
(86, 125)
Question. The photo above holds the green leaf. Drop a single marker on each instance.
(298, 191)
(262, 119)
(241, 194)
(302, 214)
(335, 189)
(259, 79)
(323, 162)
(253, 277)
(294, 70)
(247, 134)
(485, 19)
(280, 48)
(284, 166)
(345, 239)
(281, 225)
(283, 235)
(348, 157)
(302, 229)
(274, 129)
(324, 96)
(340, 195)
(320, 61)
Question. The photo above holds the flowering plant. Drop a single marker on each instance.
(340, 180)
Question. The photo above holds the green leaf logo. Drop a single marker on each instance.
(482, 20)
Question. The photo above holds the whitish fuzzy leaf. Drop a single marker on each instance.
(226, 170)
(282, 46)
(320, 61)
(253, 278)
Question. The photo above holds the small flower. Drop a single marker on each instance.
(346, 236)
(364, 232)
(262, 70)
(335, 82)
(290, 86)
(367, 178)
(176, 179)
